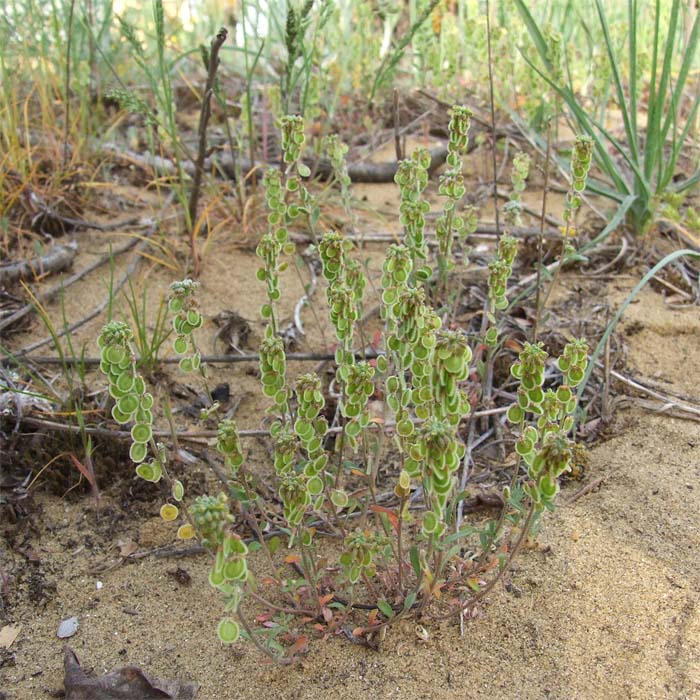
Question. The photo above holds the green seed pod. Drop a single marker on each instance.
(141, 432)
(138, 452)
(228, 630)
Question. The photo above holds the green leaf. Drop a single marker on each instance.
(385, 609)
(611, 326)
(145, 471)
(141, 432)
(415, 560)
(303, 170)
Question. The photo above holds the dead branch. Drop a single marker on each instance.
(59, 258)
(216, 44)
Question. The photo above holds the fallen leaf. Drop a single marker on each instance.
(324, 600)
(8, 634)
(88, 471)
(128, 683)
(390, 514)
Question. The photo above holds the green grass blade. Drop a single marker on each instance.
(612, 225)
(677, 92)
(669, 170)
(653, 154)
(632, 41)
(611, 326)
(622, 103)
(535, 33)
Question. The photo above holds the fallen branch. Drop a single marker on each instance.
(210, 359)
(57, 259)
(225, 165)
(116, 434)
(584, 490)
(49, 294)
(131, 268)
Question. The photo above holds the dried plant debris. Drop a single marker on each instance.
(128, 683)
(57, 259)
(234, 330)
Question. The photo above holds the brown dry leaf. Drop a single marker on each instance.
(128, 683)
(8, 634)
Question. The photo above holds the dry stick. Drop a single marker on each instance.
(196, 434)
(57, 259)
(483, 230)
(131, 268)
(358, 172)
(397, 125)
(402, 133)
(209, 359)
(50, 293)
(584, 490)
(69, 43)
(83, 223)
(605, 397)
(204, 115)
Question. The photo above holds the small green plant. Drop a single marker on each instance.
(148, 343)
(514, 208)
(413, 555)
(421, 376)
(336, 151)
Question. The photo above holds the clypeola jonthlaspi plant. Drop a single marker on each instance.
(403, 550)
(328, 474)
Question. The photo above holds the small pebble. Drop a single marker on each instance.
(68, 628)
(98, 585)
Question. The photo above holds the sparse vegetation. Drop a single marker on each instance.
(452, 391)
